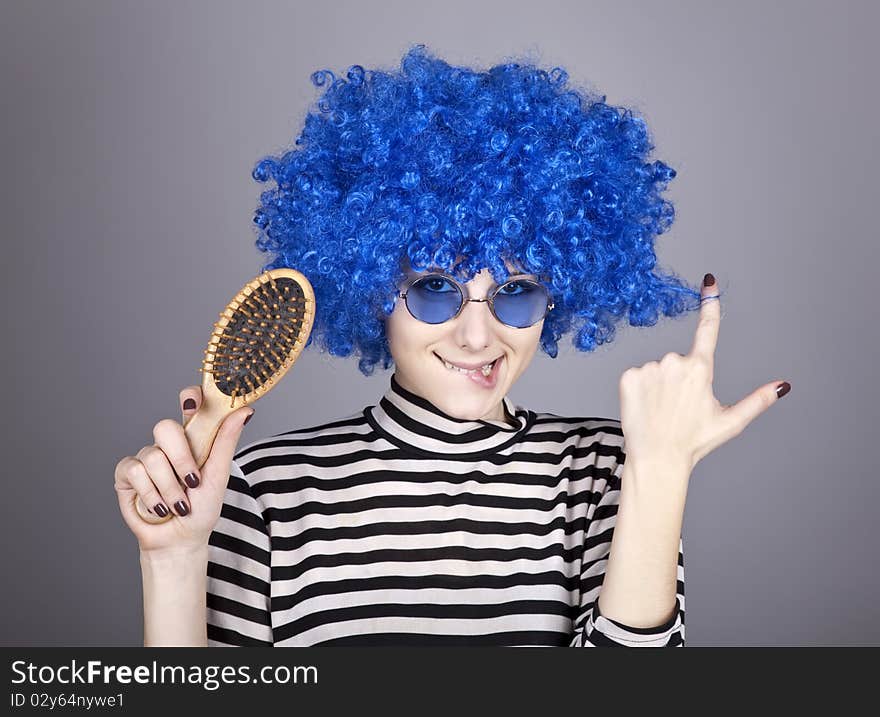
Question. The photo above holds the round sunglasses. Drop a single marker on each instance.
(436, 298)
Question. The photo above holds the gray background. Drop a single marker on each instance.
(129, 133)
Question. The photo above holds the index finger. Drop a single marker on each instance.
(190, 402)
(706, 337)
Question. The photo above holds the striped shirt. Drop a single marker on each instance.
(401, 525)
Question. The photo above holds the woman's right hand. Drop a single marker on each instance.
(157, 473)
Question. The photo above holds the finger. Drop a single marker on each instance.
(227, 439)
(706, 337)
(741, 414)
(190, 401)
(170, 437)
(133, 482)
(162, 474)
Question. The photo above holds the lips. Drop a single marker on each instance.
(468, 366)
(476, 376)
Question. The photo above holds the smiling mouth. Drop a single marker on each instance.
(485, 370)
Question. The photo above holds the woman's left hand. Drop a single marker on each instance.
(669, 412)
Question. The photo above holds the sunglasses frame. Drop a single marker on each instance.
(463, 292)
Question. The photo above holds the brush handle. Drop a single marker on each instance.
(200, 429)
(259, 295)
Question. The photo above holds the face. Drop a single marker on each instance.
(473, 338)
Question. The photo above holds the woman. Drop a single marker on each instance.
(450, 221)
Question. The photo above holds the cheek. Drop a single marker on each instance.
(405, 334)
(525, 341)
(526, 345)
(534, 338)
(397, 326)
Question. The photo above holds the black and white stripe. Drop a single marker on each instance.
(401, 525)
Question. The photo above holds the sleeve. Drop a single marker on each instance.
(239, 570)
(591, 628)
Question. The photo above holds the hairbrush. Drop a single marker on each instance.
(259, 336)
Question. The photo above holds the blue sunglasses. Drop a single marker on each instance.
(436, 298)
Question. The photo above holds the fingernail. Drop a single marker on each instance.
(782, 389)
(189, 404)
(708, 280)
(181, 508)
(192, 480)
(250, 415)
(161, 510)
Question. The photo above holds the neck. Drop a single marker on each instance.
(413, 422)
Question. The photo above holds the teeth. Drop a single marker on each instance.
(485, 370)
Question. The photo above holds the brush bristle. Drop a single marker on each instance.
(256, 341)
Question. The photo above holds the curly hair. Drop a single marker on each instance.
(443, 164)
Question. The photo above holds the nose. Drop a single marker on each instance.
(475, 325)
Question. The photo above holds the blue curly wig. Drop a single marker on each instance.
(443, 164)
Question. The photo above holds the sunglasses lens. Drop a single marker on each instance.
(433, 299)
(521, 303)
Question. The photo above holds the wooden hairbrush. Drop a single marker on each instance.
(259, 336)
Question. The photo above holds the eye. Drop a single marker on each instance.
(436, 284)
(512, 288)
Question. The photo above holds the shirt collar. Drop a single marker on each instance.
(412, 422)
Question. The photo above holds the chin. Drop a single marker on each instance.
(465, 408)
(450, 394)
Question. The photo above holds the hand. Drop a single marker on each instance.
(668, 409)
(161, 474)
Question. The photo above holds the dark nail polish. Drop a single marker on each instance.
(782, 389)
(189, 404)
(161, 510)
(192, 480)
(708, 280)
(250, 416)
(181, 508)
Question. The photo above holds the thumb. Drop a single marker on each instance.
(226, 440)
(738, 416)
